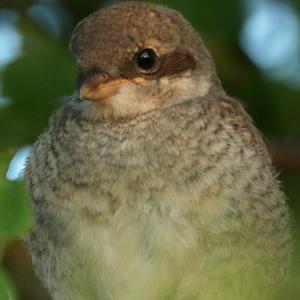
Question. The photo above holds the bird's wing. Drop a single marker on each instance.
(233, 111)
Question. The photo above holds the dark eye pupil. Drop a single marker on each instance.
(146, 59)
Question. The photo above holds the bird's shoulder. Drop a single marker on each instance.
(232, 112)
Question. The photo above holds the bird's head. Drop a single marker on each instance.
(134, 57)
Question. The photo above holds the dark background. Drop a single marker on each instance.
(256, 47)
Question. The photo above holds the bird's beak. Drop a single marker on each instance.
(100, 88)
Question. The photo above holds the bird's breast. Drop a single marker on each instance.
(145, 250)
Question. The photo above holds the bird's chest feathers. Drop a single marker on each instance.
(145, 246)
(135, 254)
(138, 227)
(110, 161)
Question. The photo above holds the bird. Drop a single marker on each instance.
(150, 182)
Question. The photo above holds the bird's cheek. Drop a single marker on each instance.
(130, 101)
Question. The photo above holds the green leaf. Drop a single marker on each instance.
(15, 212)
(7, 290)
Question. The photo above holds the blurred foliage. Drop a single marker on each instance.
(14, 206)
(15, 218)
(7, 290)
(45, 72)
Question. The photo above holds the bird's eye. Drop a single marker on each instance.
(146, 59)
